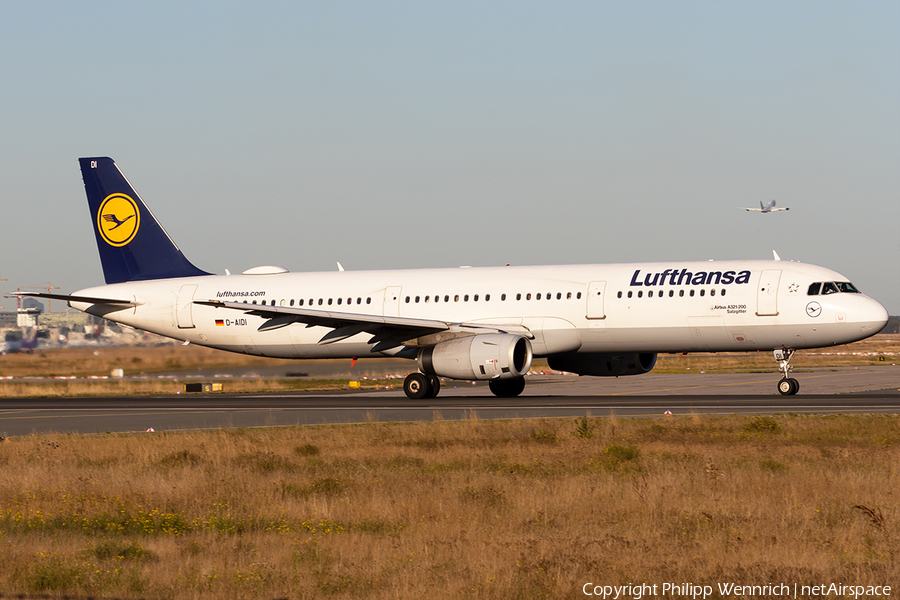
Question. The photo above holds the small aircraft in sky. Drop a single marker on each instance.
(483, 323)
(770, 207)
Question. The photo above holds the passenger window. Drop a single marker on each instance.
(558, 296)
(629, 293)
(712, 292)
(619, 295)
(640, 293)
(549, 296)
(569, 296)
(503, 297)
(369, 300)
(417, 299)
(539, 296)
(814, 289)
(254, 302)
(329, 302)
(723, 291)
(407, 299)
(292, 301)
(650, 294)
(671, 293)
(456, 298)
(446, 298)
(487, 297)
(578, 296)
(466, 298)
(829, 288)
(349, 300)
(518, 296)
(528, 296)
(702, 292)
(692, 293)
(359, 300)
(340, 300)
(427, 298)
(300, 302)
(681, 293)
(475, 297)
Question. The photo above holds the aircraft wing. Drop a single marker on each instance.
(85, 299)
(388, 332)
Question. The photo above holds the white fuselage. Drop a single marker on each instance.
(646, 307)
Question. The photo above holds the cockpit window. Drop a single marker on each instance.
(831, 287)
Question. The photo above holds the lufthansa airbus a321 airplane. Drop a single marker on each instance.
(467, 323)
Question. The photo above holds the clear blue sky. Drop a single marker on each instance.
(411, 134)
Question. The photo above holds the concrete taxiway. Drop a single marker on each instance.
(847, 390)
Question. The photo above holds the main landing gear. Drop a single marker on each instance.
(788, 386)
(418, 386)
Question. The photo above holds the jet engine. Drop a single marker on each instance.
(604, 364)
(485, 356)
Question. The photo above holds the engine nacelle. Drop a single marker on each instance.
(487, 356)
(604, 364)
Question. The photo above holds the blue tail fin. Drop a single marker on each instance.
(133, 245)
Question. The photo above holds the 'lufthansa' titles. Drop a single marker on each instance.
(685, 277)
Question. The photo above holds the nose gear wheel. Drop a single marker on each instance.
(788, 386)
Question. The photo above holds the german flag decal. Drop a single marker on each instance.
(220, 323)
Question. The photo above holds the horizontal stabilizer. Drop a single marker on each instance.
(84, 299)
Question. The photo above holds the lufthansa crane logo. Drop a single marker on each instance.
(118, 219)
(814, 309)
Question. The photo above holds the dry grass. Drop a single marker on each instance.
(483, 509)
(65, 388)
(100, 360)
(877, 350)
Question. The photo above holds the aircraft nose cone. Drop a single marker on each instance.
(872, 316)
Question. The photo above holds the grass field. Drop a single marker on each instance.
(474, 509)
(175, 358)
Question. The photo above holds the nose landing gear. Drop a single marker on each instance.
(788, 386)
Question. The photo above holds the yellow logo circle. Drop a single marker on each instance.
(118, 219)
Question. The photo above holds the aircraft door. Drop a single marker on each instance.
(392, 301)
(596, 292)
(767, 293)
(184, 304)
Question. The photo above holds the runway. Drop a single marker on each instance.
(863, 390)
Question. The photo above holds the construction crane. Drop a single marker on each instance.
(49, 287)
